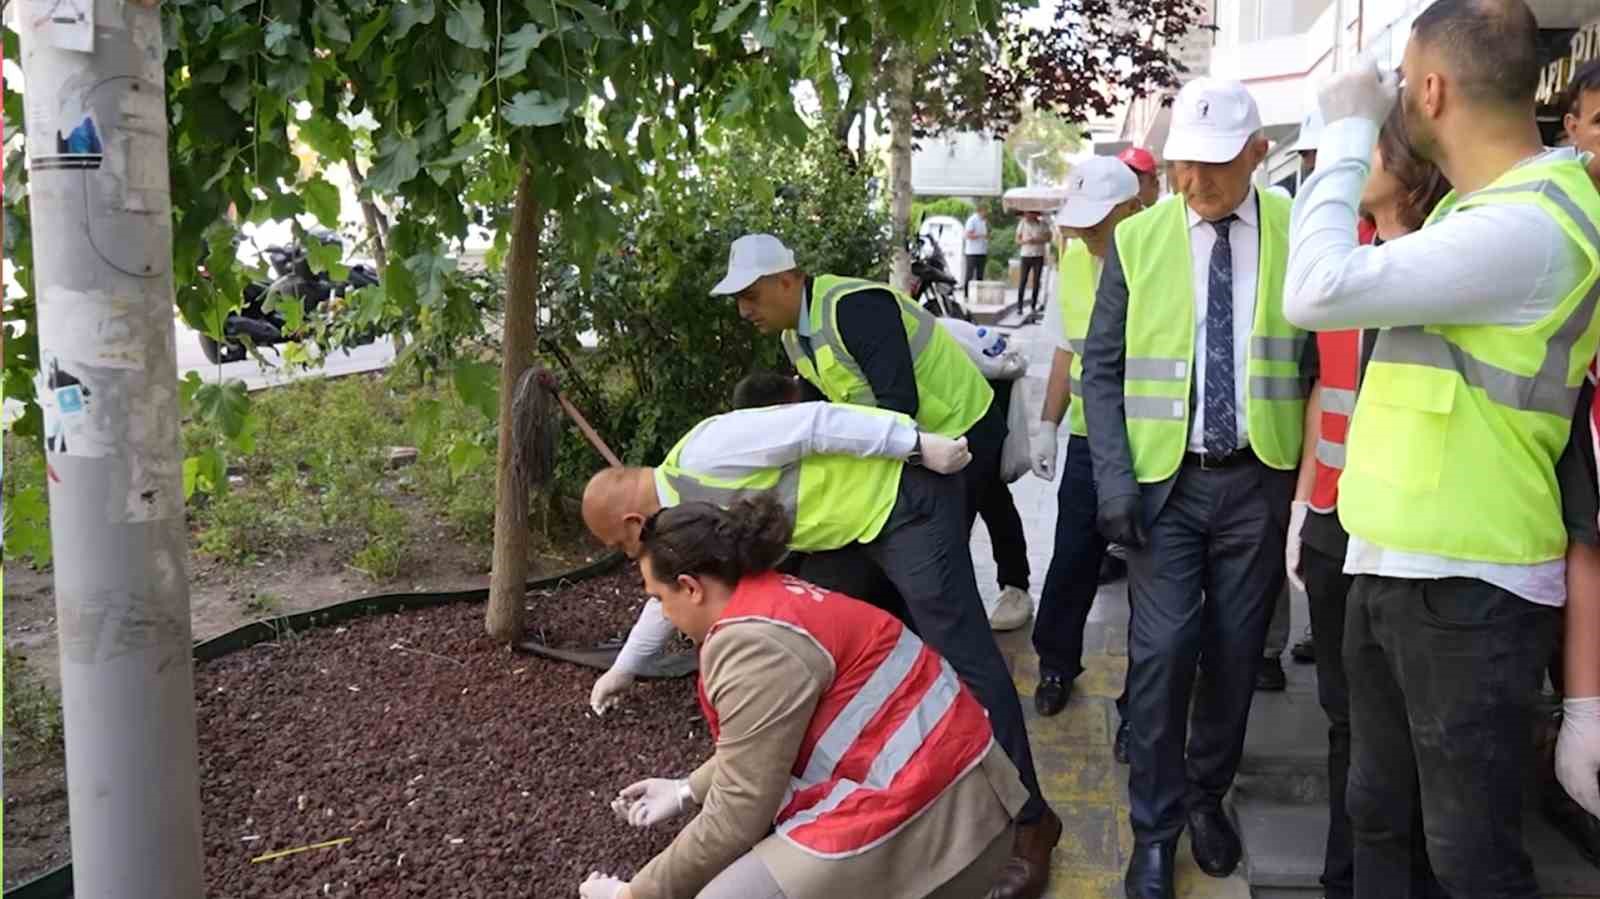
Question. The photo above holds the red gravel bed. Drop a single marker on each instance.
(591, 613)
(456, 767)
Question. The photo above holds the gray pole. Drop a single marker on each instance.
(95, 99)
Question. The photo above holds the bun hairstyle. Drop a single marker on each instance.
(1424, 184)
(700, 539)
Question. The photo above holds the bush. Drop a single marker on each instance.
(1002, 246)
(669, 353)
(955, 207)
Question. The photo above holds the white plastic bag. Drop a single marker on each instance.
(1016, 455)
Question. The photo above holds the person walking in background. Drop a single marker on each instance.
(975, 246)
(1102, 192)
(1487, 315)
(1033, 238)
(783, 811)
(1403, 190)
(1143, 163)
(1194, 391)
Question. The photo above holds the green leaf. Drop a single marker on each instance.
(425, 422)
(327, 135)
(368, 33)
(478, 385)
(205, 473)
(410, 13)
(464, 94)
(278, 36)
(431, 271)
(225, 405)
(294, 353)
(532, 109)
(729, 15)
(186, 390)
(516, 46)
(294, 312)
(464, 456)
(287, 78)
(327, 258)
(330, 23)
(244, 442)
(322, 200)
(395, 167)
(27, 525)
(465, 25)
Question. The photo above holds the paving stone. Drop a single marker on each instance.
(1085, 721)
(1088, 838)
(1074, 777)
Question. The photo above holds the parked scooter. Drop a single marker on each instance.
(293, 277)
(932, 285)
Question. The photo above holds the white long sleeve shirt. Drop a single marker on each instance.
(1489, 265)
(749, 440)
(1244, 240)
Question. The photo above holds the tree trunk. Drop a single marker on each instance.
(378, 230)
(900, 81)
(509, 577)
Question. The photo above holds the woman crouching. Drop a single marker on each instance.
(849, 759)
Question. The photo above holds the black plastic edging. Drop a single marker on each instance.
(57, 883)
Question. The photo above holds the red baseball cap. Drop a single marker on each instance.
(1138, 159)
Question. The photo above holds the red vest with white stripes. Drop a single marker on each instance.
(894, 729)
(1339, 354)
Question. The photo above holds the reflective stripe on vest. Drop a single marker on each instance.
(832, 500)
(1075, 286)
(895, 728)
(1154, 249)
(952, 394)
(1339, 357)
(1453, 420)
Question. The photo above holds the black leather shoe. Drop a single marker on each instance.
(1304, 652)
(1119, 747)
(1150, 871)
(1052, 695)
(1270, 678)
(1215, 844)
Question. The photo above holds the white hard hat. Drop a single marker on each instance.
(751, 257)
(1212, 120)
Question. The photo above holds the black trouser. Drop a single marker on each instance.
(1032, 266)
(1203, 579)
(974, 269)
(925, 552)
(1443, 677)
(1072, 581)
(1327, 587)
(991, 499)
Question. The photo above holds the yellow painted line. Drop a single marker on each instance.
(283, 852)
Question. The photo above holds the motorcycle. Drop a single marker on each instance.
(293, 277)
(932, 285)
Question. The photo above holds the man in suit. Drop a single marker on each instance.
(1194, 391)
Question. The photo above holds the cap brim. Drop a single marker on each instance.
(735, 281)
(1204, 147)
(1081, 213)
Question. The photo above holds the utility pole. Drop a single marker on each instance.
(95, 97)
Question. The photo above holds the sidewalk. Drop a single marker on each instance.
(1072, 751)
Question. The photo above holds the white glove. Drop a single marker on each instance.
(943, 455)
(600, 886)
(1291, 545)
(1578, 752)
(608, 689)
(652, 801)
(1365, 92)
(1044, 451)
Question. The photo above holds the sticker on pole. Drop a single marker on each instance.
(67, 24)
(72, 415)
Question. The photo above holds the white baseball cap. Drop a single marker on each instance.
(1310, 132)
(751, 257)
(1094, 187)
(1212, 120)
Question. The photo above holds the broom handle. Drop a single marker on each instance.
(588, 431)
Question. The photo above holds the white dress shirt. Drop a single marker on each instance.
(738, 443)
(1492, 265)
(1244, 236)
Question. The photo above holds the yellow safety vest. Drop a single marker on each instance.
(1153, 247)
(833, 500)
(1076, 282)
(1457, 428)
(952, 394)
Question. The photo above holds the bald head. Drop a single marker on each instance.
(1488, 47)
(615, 504)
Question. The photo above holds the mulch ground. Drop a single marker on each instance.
(456, 767)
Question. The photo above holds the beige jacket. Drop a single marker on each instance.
(765, 682)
